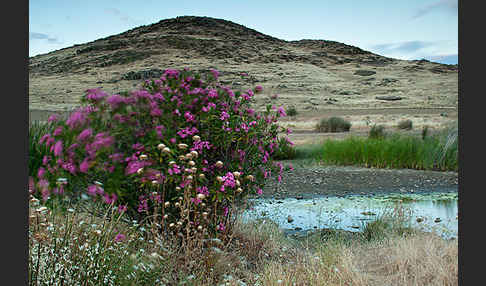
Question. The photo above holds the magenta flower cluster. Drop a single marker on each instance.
(176, 135)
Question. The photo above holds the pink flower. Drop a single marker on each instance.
(109, 199)
(258, 88)
(122, 208)
(58, 148)
(58, 131)
(224, 116)
(120, 237)
(259, 191)
(281, 111)
(84, 166)
(85, 134)
(52, 118)
(40, 173)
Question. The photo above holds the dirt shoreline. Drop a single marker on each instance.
(311, 181)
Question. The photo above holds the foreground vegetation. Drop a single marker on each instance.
(76, 247)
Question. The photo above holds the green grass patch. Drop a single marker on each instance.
(433, 152)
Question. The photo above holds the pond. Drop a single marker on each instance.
(436, 212)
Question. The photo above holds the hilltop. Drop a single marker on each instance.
(315, 76)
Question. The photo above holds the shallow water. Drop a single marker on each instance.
(353, 212)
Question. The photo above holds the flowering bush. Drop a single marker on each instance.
(181, 147)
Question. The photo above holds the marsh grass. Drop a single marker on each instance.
(434, 152)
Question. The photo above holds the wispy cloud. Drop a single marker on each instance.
(41, 36)
(447, 5)
(439, 51)
(403, 47)
(122, 17)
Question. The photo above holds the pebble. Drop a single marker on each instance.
(290, 219)
(437, 220)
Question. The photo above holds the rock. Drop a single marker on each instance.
(298, 228)
(290, 219)
(364, 72)
(299, 197)
(389, 97)
(437, 220)
(368, 213)
(420, 219)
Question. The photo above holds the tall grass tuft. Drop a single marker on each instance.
(438, 152)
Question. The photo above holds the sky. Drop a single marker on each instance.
(401, 29)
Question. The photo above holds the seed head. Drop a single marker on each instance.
(182, 146)
(201, 196)
(161, 146)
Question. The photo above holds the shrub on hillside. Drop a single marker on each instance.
(180, 146)
(291, 111)
(405, 124)
(333, 124)
(377, 131)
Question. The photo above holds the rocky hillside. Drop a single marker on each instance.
(309, 74)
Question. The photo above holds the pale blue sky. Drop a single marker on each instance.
(403, 29)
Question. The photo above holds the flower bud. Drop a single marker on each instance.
(191, 163)
(219, 164)
(161, 146)
(188, 156)
(178, 188)
(182, 146)
(171, 163)
(189, 178)
(194, 153)
(166, 216)
(199, 228)
(179, 223)
(193, 169)
(167, 204)
(236, 174)
(202, 176)
(239, 190)
(155, 182)
(205, 215)
(177, 204)
(140, 171)
(237, 182)
(219, 179)
(182, 157)
(250, 177)
(196, 138)
(166, 150)
(143, 157)
(201, 196)
(171, 225)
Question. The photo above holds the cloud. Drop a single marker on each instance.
(41, 36)
(124, 18)
(447, 5)
(445, 59)
(403, 47)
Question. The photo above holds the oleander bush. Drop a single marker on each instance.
(182, 150)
